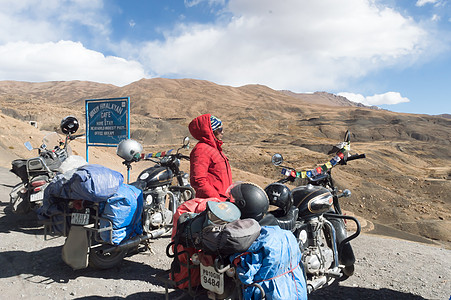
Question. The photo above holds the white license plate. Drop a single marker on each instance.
(79, 219)
(37, 197)
(211, 280)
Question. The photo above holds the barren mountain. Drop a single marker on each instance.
(402, 187)
(324, 98)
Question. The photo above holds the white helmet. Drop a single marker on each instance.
(129, 149)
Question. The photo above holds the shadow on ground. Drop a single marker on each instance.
(46, 267)
(341, 293)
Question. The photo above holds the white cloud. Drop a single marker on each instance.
(435, 18)
(37, 43)
(50, 20)
(300, 45)
(292, 44)
(64, 60)
(389, 98)
(424, 2)
(191, 3)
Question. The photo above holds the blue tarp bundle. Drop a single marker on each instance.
(124, 210)
(272, 261)
(118, 202)
(95, 183)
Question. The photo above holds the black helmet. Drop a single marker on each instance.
(279, 195)
(69, 125)
(250, 199)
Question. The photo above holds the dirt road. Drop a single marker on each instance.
(32, 268)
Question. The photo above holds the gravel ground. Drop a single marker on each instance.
(32, 268)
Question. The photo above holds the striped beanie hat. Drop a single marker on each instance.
(215, 123)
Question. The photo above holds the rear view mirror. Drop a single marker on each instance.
(28, 146)
(186, 142)
(347, 138)
(277, 159)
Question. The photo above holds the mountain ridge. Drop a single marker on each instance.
(404, 182)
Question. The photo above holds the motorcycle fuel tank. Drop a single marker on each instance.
(156, 176)
(312, 200)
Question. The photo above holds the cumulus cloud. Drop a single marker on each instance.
(64, 60)
(299, 45)
(37, 43)
(389, 98)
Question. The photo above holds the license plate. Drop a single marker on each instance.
(211, 280)
(79, 219)
(37, 197)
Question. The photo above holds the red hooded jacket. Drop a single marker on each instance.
(210, 173)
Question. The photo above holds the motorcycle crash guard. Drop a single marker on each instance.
(75, 251)
(346, 256)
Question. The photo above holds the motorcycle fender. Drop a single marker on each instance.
(19, 202)
(75, 251)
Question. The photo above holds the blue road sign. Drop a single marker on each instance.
(107, 121)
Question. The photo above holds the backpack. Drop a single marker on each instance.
(233, 237)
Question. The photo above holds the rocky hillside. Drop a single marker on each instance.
(404, 184)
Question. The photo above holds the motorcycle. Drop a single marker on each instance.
(104, 219)
(214, 251)
(327, 255)
(36, 173)
(161, 194)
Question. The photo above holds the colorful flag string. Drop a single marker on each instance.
(156, 154)
(321, 169)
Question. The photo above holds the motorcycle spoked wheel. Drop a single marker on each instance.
(104, 261)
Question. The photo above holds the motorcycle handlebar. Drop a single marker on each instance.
(177, 155)
(291, 178)
(286, 179)
(73, 137)
(356, 156)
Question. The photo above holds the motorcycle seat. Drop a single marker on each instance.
(286, 221)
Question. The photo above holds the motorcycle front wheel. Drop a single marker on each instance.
(104, 261)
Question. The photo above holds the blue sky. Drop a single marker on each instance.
(395, 54)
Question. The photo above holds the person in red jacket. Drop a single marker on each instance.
(210, 173)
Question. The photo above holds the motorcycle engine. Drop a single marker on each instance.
(157, 211)
(317, 259)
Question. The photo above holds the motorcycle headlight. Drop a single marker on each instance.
(149, 199)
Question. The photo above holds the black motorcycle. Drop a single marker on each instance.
(164, 186)
(327, 255)
(104, 219)
(36, 173)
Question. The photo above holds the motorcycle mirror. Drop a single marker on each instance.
(346, 193)
(28, 146)
(186, 142)
(277, 159)
(347, 138)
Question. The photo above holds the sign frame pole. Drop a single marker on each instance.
(107, 123)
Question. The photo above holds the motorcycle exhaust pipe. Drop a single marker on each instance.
(316, 284)
(134, 241)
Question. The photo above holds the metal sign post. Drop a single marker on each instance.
(107, 123)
